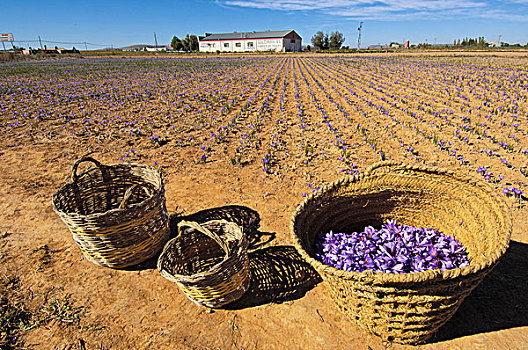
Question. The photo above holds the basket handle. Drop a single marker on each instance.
(130, 190)
(206, 232)
(74, 175)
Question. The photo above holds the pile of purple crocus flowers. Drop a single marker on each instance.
(393, 249)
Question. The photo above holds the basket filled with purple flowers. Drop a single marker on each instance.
(400, 246)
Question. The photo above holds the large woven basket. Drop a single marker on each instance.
(116, 213)
(405, 308)
(208, 261)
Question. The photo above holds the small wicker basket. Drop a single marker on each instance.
(405, 308)
(209, 262)
(116, 213)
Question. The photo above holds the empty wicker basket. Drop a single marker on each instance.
(116, 213)
(208, 261)
(405, 308)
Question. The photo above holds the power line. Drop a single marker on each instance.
(61, 42)
(74, 43)
(99, 44)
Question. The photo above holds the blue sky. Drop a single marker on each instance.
(121, 22)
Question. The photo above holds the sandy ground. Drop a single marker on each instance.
(136, 308)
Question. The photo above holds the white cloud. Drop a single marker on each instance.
(287, 5)
(391, 9)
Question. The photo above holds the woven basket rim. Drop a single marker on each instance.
(156, 196)
(378, 277)
(212, 270)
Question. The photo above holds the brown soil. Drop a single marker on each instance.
(136, 308)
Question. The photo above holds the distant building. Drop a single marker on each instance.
(494, 44)
(277, 40)
(50, 51)
(154, 48)
(143, 47)
(377, 47)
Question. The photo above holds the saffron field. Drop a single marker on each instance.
(259, 132)
(313, 118)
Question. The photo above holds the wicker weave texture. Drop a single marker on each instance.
(208, 261)
(405, 308)
(116, 214)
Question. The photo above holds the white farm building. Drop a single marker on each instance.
(277, 40)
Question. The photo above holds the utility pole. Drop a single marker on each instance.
(40, 41)
(155, 40)
(85, 46)
(500, 45)
(359, 35)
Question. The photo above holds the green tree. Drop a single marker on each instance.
(320, 41)
(336, 40)
(186, 43)
(176, 43)
(326, 42)
(193, 42)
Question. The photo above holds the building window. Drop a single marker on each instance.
(226, 44)
(250, 44)
(292, 41)
(238, 44)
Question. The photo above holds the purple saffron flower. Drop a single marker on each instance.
(392, 249)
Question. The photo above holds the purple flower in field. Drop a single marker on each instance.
(392, 249)
(482, 169)
(512, 191)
